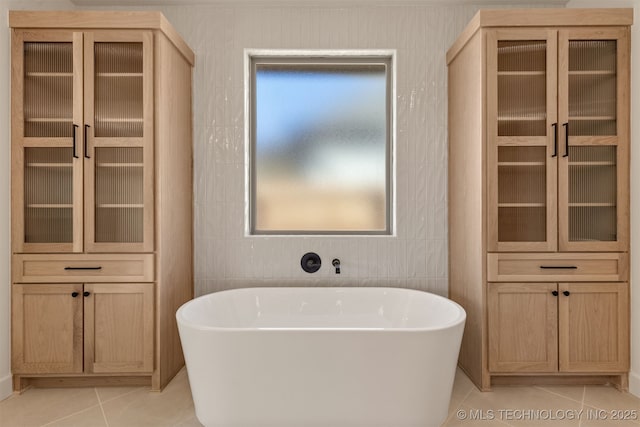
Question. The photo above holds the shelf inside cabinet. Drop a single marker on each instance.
(48, 119)
(49, 165)
(592, 73)
(47, 74)
(49, 206)
(121, 120)
(521, 73)
(119, 74)
(120, 205)
(521, 205)
(521, 118)
(591, 118)
(519, 164)
(591, 205)
(605, 163)
(120, 165)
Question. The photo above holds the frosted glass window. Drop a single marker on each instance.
(321, 144)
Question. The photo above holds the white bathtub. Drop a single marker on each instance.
(321, 357)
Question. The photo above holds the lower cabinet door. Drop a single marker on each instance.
(523, 325)
(594, 327)
(47, 328)
(118, 327)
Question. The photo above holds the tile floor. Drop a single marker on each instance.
(505, 406)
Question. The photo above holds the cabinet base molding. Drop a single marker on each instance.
(22, 382)
(620, 381)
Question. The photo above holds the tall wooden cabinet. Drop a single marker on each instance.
(101, 197)
(539, 194)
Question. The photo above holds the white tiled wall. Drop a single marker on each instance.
(421, 33)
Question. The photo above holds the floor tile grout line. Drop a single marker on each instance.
(584, 392)
(558, 394)
(121, 395)
(104, 416)
(594, 406)
(69, 415)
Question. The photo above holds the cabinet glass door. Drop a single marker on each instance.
(47, 96)
(593, 167)
(118, 117)
(521, 94)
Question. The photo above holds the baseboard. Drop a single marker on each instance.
(6, 387)
(634, 383)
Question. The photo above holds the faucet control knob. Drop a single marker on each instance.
(336, 264)
(310, 262)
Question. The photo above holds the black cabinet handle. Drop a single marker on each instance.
(566, 139)
(74, 141)
(86, 293)
(554, 293)
(555, 140)
(86, 153)
(566, 293)
(74, 294)
(83, 268)
(558, 267)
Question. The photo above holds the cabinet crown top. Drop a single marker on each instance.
(544, 17)
(100, 20)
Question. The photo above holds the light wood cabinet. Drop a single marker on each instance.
(83, 134)
(118, 327)
(539, 195)
(551, 327)
(558, 123)
(594, 327)
(47, 328)
(101, 197)
(109, 326)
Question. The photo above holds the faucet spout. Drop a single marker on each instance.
(336, 264)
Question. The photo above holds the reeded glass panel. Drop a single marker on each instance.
(118, 90)
(119, 195)
(48, 89)
(320, 153)
(522, 88)
(522, 194)
(48, 195)
(592, 193)
(592, 87)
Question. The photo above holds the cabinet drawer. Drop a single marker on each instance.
(63, 268)
(557, 267)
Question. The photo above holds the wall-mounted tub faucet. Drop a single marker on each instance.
(336, 264)
(310, 262)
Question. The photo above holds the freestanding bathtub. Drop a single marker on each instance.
(321, 357)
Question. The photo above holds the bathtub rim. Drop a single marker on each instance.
(459, 319)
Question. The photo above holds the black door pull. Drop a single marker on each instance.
(554, 293)
(74, 294)
(86, 293)
(74, 141)
(566, 139)
(86, 153)
(555, 140)
(559, 267)
(83, 268)
(566, 293)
